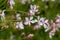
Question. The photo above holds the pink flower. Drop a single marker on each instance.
(19, 25)
(36, 27)
(40, 22)
(11, 2)
(57, 22)
(33, 10)
(53, 29)
(11, 7)
(28, 21)
(31, 13)
(46, 25)
(30, 35)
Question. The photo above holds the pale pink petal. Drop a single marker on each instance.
(21, 26)
(30, 35)
(36, 27)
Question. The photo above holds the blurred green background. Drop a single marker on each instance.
(11, 33)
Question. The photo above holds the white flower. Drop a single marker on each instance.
(33, 10)
(58, 21)
(11, 2)
(41, 21)
(3, 15)
(31, 13)
(51, 34)
(30, 35)
(18, 17)
(28, 21)
(34, 21)
(19, 25)
(46, 25)
(53, 27)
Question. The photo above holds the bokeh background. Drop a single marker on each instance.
(8, 30)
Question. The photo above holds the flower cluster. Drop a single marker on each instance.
(52, 26)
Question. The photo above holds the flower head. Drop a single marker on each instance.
(19, 25)
(33, 10)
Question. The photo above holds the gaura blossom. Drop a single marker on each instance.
(11, 2)
(53, 29)
(46, 25)
(57, 22)
(33, 10)
(20, 25)
(30, 20)
(3, 15)
(58, 18)
(39, 23)
(42, 22)
(53, 26)
(31, 13)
